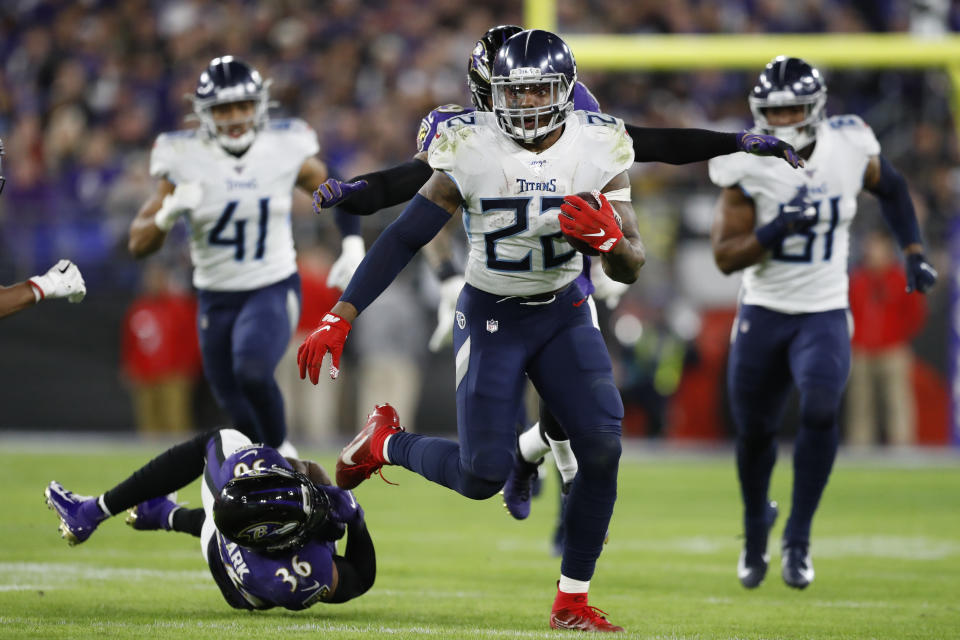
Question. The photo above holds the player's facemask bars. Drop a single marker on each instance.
(530, 123)
(3, 180)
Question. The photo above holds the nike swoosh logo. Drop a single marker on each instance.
(325, 328)
(64, 270)
(315, 585)
(598, 234)
(353, 447)
(252, 452)
(353, 503)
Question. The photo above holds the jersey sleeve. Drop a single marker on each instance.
(609, 145)
(857, 133)
(431, 124)
(163, 158)
(300, 137)
(725, 171)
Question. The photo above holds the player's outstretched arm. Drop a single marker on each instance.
(885, 182)
(147, 233)
(683, 146)
(368, 193)
(62, 280)
(422, 219)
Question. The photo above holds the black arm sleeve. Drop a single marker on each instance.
(388, 187)
(357, 568)
(173, 469)
(679, 146)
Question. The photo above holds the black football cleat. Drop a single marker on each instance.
(754, 559)
(797, 567)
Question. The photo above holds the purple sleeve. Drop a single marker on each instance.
(431, 124)
(295, 580)
(583, 100)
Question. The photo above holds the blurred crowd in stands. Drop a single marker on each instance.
(86, 85)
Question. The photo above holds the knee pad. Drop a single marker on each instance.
(598, 452)
(818, 408)
(488, 471)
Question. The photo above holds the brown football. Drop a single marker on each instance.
(576, 243)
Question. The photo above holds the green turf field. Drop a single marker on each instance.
(886, 552)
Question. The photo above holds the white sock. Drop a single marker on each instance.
(532, 446)
(386, 447)
(566, 461)
(569, 585)
(103, 507)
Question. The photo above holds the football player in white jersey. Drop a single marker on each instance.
(62, 280)
(233, 178)
(789, 232)
(519, 314)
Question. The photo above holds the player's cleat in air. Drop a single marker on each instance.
(153, 514)
(754, 559)
(571, 611)
(364, 455)
(79, 515)
(518, 489)
(796, 565)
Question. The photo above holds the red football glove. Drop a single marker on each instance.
(597, 227)
(329, 336)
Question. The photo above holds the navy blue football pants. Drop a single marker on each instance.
(770, 352)
(497, 341)
(243, 335)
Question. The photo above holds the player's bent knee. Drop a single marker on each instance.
(252, 373)
(598, 452)
(487, 474)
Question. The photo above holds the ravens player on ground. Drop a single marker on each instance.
(232, 179)
(789, 232)
(267, 527)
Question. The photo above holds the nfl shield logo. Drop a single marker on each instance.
(492, 326)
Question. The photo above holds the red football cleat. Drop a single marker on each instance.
(571, 611)
(364, 455)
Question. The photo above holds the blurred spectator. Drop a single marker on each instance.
(885, 318)
(160, 354)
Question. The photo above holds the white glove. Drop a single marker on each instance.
(63, 280)
(449, 294)
(352, 251)
(606, 288)
(185, 198)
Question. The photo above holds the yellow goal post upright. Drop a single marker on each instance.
(596, 52)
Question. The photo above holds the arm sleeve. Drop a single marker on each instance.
(896, 205)
(387, 188)
(399, 242)
(357, 568)
(679, 146)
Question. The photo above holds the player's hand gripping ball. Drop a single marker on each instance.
(589, 223)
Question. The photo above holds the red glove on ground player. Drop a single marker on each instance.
(597, 227)
(329, 336)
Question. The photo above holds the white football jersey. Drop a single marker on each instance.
(240, 235)
(807, 272)
(512, 196)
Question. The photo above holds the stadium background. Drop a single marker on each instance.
(86, 86)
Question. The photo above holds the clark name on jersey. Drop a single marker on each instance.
(807, 272)
(240, 235)
(512, 196)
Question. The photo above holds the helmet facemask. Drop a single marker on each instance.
(3, 180)
(531, 124)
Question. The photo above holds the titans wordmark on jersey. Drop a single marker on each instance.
(806, 272)
(512, 196)
(240, 235)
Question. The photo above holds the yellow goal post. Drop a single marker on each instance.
(751, 52)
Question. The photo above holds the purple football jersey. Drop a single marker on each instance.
(294, 580)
